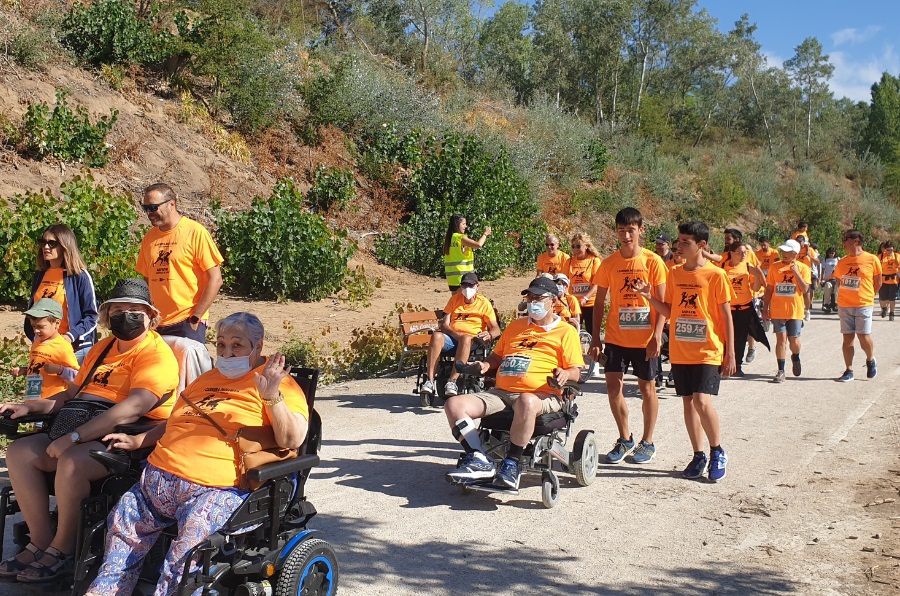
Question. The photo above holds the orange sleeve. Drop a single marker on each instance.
(206, 253)
(601, 276)
(143, 263)
(571, 348)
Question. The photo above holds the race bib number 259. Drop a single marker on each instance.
(691, 330)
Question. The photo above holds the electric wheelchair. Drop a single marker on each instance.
(265, 548)
(546, 452)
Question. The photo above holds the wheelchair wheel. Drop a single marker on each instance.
(549, 489)
(426, 399)
(584, 463)
(311, 569)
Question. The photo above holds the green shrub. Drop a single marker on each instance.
(28, 48)
(275, 249)
(298, 351)
(13, 352)
(722, 197)
(459, 175)
(333, 188)
(358, 288)
(67, 135)
(373, 350)
(104, 223)
(812, 198)
(110, 32)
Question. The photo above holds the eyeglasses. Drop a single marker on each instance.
(535, 298)
(576, 246)
(153, 207)
(126, 310)
(52, 244)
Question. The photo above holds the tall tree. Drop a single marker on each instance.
(505, 47)
(810, 70)
(881, 135)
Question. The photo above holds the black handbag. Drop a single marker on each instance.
(76, 412)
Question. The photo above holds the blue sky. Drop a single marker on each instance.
(861, 37)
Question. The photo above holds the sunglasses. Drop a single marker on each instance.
(153, 207)
(576, 246)
(53, 244)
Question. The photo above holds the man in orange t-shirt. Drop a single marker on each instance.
(633, 332)
(529, 350)
(860, 276)
(468, 316)
(785, 304)
(554, 260)
(181, 263)
(701, 349)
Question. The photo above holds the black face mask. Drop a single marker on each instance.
(127, 325)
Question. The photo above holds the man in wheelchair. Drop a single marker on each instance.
(529, 350)
(468, 317)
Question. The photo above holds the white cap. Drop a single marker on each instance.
(562, 277)
(790, 246)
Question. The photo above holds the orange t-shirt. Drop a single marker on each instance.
(580, 273)
(194, 449)
(806, 255)
(741, 283)
(697, 332)
(857, 278)
(890, 265)
(51, 286)
(470, 319)
(631, 320)
(751, 258)
(529, 354)
(571, 303)
(553, 265)
(560, 308)
(174, 263)
(766, 258)
(150, 365)
(796, 235)
(787, 300)
(56, 351)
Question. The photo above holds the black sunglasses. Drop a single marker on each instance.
(48, 243)
(153, 207)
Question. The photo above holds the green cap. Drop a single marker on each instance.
(45, 307)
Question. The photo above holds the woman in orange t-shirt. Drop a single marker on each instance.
(191, 475)
(890, 267)
(746, 280)
(580, 270)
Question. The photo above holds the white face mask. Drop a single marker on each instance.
(537, 310)
(561, 289)
(468, 293)
(234, 367)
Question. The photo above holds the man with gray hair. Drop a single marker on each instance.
(554, 260)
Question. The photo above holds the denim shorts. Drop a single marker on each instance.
(791, 326)
(449, 343)
(856, 319)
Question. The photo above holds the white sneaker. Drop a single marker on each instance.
(806, 316)
(427, 387)
(450, 389)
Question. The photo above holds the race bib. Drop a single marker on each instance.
(580, 289)
(514, 366)
(634, 318)
(33, 384)
(850, 283)
(692, 330)
(785, 289)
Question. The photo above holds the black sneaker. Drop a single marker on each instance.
(871, 371)
(883, 313)
(795, 366)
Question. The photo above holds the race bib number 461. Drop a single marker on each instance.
(692, 330)
(634, 318)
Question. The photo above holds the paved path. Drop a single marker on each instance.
(779, 523)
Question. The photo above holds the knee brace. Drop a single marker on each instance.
(466, 432)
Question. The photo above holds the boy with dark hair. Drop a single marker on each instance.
(701, 348)
(51, 363)
(633, 331)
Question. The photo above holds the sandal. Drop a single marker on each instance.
(11, 567)
(37, 572)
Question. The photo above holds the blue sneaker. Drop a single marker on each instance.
(871, 371)
(697, 467)
(622, 449)
(643, 453)
(717, 463)
(846, 377)
(474, 467)
(508, 474)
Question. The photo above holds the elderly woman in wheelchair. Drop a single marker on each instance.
(193, 476)
(124, 377)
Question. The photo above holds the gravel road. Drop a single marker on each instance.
(805, 459)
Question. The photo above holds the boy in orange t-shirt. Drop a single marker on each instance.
(701, 349)
(51, 364)
(784, 303)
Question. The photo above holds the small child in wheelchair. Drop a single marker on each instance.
(529, 350)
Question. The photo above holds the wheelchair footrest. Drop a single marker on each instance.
(490, 487)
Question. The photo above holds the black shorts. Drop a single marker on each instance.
(887, 292)
(618, 359)
(696, 378)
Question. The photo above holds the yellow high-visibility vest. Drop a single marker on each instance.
(459, 260)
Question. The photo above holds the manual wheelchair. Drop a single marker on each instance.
(470, 382)
(265, 548)
(547, 446)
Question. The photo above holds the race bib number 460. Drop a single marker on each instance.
(514, 366)
(634, 318)
(785, 289)
(692, 330)
(850, 283)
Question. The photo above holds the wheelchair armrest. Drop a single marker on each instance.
(282, 468)
(134, 428)
(119, 461)
(25, 419)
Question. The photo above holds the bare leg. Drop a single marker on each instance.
(617, 405)
(847, 349)
(780, 348)
(692, 423)
(794, 342)
(525, 409)
(28, 465)
(463, 405)
(867, 344)
(709, 418)
(649, 407)
(435, 347)
(463, 349)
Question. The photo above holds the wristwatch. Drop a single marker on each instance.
(194, 320)
(76, 438)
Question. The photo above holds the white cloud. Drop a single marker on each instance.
(773, 60)
(853, 76)
(854, 36)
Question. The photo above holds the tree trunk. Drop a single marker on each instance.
(705, 125)
(763, 112)
(427, 37)
(808, 123)
(615, 96)
(637, 111)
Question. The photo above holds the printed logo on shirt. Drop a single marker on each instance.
(737, 282)
(34, 368)
(101, 377)
(164, 252)
(162, 258)
(688, 301)
(49, 292)
(853, 271)
(526, 344)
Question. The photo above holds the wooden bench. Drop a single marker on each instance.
(417, 328)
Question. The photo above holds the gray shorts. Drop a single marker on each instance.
(496, 400)
(856, 319)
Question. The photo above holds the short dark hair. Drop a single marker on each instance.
(764, 239)
(697, 229)
(734, 246)
(162, 188)
(888, 244)
(802, 224)
(629, 216)
(853, 235)
(735, 233)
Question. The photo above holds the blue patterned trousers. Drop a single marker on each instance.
(157, 501)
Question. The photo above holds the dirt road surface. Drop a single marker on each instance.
(810, 504)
